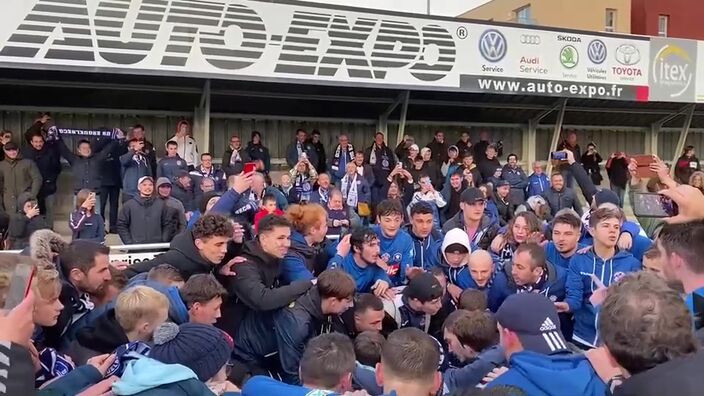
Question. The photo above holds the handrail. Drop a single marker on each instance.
(139, 247)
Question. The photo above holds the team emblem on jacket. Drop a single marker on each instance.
(618, 276)
(553, 298)
(397, 257)
(178, 163)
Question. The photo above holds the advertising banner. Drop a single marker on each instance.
(297, 42)
(673, 64)
(700, 73)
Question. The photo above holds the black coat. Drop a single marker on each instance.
(591, 162)
(48, 160)
(145, 220)
(438, 151)
(506, 210)
(487, 167)
(681, 377)
(88, 171)
(185, 195)
(322, 159)
(380, 169)
(111, 167)
(238, 166)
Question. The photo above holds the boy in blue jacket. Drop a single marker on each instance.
(539, 360)
(566, 232)
(425, 237)
(538, 182)
(358, 255)
(601, 266)
(396, 245)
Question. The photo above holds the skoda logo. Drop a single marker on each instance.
(569, 57)
(530, 39)
(492, 45)
(627, 54)
(597, 52)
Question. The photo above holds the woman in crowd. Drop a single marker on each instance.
(697, 180)
(525, 227)
(310, 227)
(84, 222)
(258, 152)
(303, 177)
(491, 210)
(538, 206)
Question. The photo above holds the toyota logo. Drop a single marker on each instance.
(530, 39)
(492, 45)
(597, 52)
(627, 54)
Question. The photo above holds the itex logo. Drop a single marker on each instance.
(673, 70)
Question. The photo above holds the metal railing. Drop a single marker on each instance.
(127, 253)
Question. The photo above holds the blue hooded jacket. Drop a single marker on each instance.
(640, 242)
(147, 376)
(471, 374)
(262, 385)
(423, 248)
(295, 265)
(554, 286)
(398, 254)
(178, 312)
(580, 286)
(551, 375)
(364, 277)
(537, 184)
(552, 255)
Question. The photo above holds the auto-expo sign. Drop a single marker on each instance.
(278, 40)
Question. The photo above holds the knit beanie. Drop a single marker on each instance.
(202, 348)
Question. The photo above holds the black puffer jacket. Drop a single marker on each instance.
(101, 336)
(88, 171)
(48, 160)
(182, 254)
(145, 220)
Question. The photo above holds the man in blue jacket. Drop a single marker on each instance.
(396, 245)
(425, 237)
(601, 266)
(529, 272)
(135, 165)
(485, 277)
(566, 232)
(538, 181)
(539, 360)
(514, 174)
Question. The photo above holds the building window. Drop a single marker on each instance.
(663, 23)
(523, 15)
(610, 21)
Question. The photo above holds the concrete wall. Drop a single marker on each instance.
(685, 17)
(570, 14)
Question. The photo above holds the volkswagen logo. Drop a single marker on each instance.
(627, 54)
(492, 45)
(597, 52)
(530, 39)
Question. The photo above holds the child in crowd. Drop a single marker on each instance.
(203, 296)
(472, 300)
(427, 193)
(167, 275)
(367, 350)
(84, 222)
(267, 207)
(25, 222)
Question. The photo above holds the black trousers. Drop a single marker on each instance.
(112, 194)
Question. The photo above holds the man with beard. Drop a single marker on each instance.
(382, 160)
(85, 269)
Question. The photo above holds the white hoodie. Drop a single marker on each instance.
(456, 235)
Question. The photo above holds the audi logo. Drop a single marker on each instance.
(530, 39)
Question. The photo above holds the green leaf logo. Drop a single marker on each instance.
(569, 57)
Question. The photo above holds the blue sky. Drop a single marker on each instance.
(437, 7)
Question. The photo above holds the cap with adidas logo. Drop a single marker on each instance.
(534, 319)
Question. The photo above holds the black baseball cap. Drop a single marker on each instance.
(606, 196)
(472, 195)
(423, 287)
(534, 319)
(502, 183)
(181, 173)
(11, 146)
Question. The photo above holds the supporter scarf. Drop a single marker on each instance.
(54, 132)
(323, 195)
(51, 365)
(235, 157)
(124, 354)
(536, 287)
(338, 152)
(81, 306)
(349, 190)
(303, 187)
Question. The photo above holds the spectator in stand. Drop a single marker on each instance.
(451, 193)
(409, 160)
(430, 168)
(617, 169)
(538, 182)
(88, 164)
(473, 338)
(396, 244)
(471, 218)
(514, 174)
(322, 162)
(570, 144)
(207, 202)
(490, 163)
(468, 166)
(601, 266)
(267, 207)
(539, 360)
(401, 190)
(303, 176)
(524, 227)
(565, 234)
(178, 212)
(84, 267)
(538, 206)
(382, 161)
(590, 161)
(285, 186)
(309, 226)
(342, 155)
(403, 148)
(145, 219)
(338, 216)
(438, 147)
(138, 132)
(365, 170)
(182, 189)
(490, 209)
(203, 296)
(560, 197)
(300, 146)
(196, 251)
(355, 189)
(428, 194)
(327, 365)
(134, 167)
(426, 238)
(39, 127)
(111, 184)
(257, 151)
(170, 165)
(506, 208)
(84, 222)
(17, 176)
(137, 312)
(464, 145)
(409, 364)
(697, 180)
(25, 222)
(207, 170)
(358, 254)
(260, 188)
(451, 164)
(47, 157)
(647, 332)
(206, 185)
(322, 193)
(481, 146)
(234, 157)
(187, 147)
(5, 138)
(687, 164)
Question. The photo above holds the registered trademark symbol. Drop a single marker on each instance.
(462, 32)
